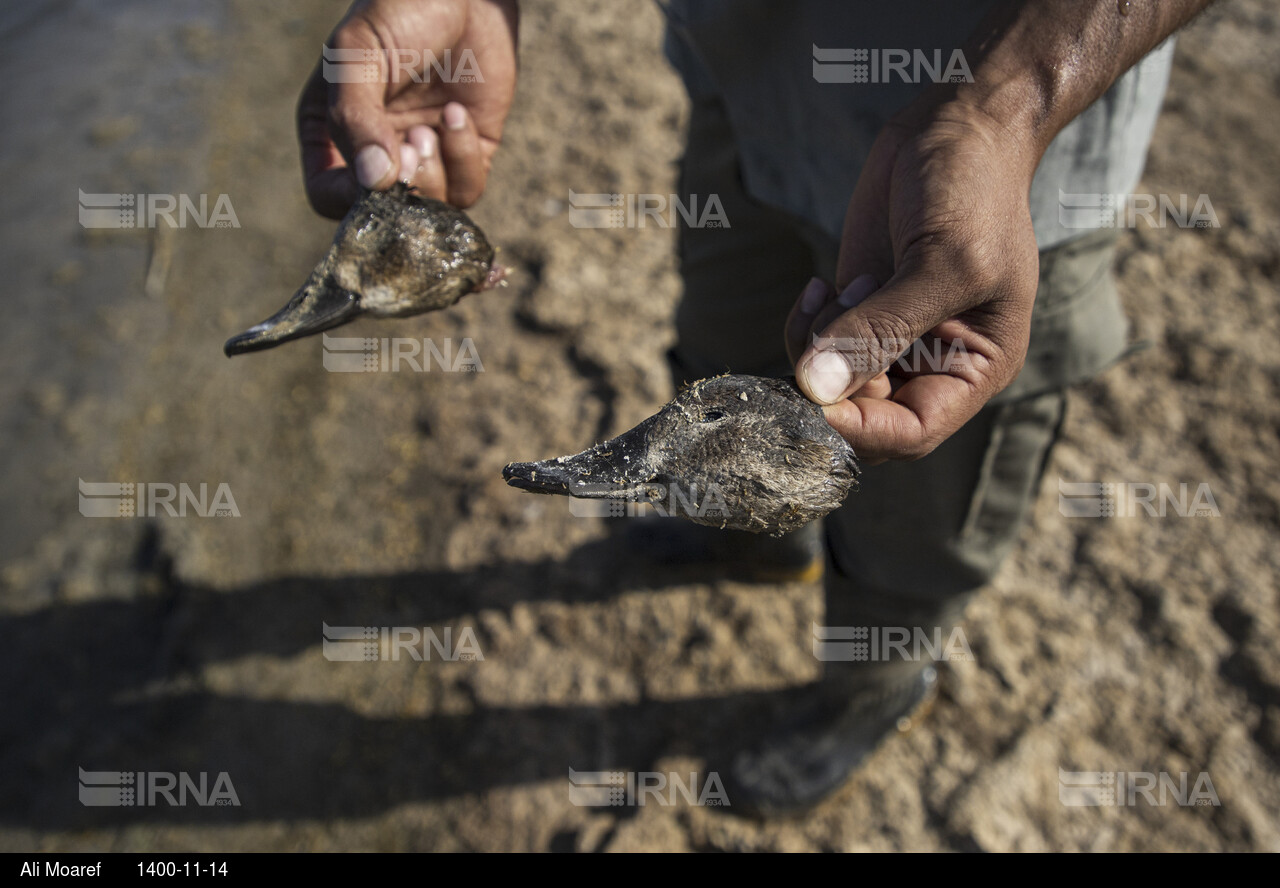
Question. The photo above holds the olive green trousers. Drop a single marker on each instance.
(918, 538)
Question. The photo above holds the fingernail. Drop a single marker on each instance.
(423, 138)
(828, 376)
(455, 116)
(408, 162)
(372, 165)
(859, 289)
(813, 296)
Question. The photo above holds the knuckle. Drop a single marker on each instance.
(345, 113)
(346, 35)
(973, 263)
(885, 335)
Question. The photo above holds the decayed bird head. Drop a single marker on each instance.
(395, 254)
(741, 452)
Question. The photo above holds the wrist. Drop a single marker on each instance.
(1036, 65)
(996, 119)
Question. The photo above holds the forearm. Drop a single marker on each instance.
(1037, 64)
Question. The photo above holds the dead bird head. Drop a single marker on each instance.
(395, 254)
(741, 452)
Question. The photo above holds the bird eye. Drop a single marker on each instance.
(713, 415)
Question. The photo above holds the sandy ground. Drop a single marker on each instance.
(193, 644)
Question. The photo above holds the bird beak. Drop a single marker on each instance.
(319, 305)
(616, 469)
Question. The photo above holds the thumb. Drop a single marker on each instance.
(864, 341)
(358, 120)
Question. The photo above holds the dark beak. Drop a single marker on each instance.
(318, 306)
(618, 468)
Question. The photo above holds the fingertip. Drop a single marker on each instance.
(408, 163)
(814, 296)
(847, 419)
(373, 167)
(860, 423)
(332, 192)
(423, 139)
(455, 116)
(858, 290)
(826, 376)
(799, 321)
(465, 167)
(429, 179)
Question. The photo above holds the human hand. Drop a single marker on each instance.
(417, 126)
(940, 217)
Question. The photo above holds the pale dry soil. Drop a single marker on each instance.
(193, 644)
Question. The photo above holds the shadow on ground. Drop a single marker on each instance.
(127, 698)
